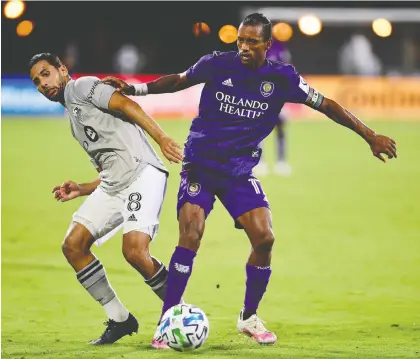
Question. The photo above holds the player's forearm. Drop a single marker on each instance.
(87, 188)
(169, 83)
(345, 118)
(135, 113)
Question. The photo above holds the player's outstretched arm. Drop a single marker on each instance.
(378, 144)
(164, 84)
(70, 190)
(122, 104)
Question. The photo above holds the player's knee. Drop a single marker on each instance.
(191, 238)
(74, 246)
(136, 254)
(136, 247)
(263, 241)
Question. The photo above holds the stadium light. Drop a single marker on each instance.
(14, 8)
(24, 28)
(228, 34)
(382, 27)
(282, 31)
(201, 29)
(310, 25)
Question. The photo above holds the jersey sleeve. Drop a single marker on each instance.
(92, 90)
(300, 91)
(93, 161)
(202, 70)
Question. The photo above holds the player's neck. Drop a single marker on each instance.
(61, 96)
(257, 65)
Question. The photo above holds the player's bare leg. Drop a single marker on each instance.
(191, 228)
(257, 225)
(92, 276)
(136, 252)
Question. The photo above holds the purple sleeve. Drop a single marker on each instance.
(201, 71)
(301, 92)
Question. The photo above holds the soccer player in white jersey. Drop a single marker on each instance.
(128, 193)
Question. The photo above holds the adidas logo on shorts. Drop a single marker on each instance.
(132, 218)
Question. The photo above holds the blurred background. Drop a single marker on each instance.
(323, 39)
(346, 261)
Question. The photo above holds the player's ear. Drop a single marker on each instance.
(63, 70)
(268, 44)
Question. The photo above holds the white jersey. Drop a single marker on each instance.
(113, 143)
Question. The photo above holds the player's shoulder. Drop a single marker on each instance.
(220, 57)
(281, 67)
(85, 85)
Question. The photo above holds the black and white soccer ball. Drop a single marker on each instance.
(183, 327)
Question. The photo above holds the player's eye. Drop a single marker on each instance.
(46, 73)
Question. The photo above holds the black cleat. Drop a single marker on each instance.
(116, 330)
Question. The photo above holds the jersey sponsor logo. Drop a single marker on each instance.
(77, 113)
(92, 90)
(240, 106)
(91, 133)
(303, 85)
(266, 88)
(193, 189)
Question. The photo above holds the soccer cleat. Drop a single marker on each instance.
(116, 330)
(254, 327)
(282, 168)
(157, 341)
(159, 345)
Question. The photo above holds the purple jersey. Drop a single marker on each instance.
(278, 52)
(238, 109)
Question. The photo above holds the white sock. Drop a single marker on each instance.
(116, 310)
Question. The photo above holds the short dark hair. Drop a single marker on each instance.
(52, 59)
(258, 19)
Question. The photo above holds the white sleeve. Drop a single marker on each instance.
(92, 90)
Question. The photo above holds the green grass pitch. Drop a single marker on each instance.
(346, 264)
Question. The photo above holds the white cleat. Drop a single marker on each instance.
(261, 169)
(254, 328)
(282, 168)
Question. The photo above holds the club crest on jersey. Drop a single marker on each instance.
(77, 112)
(267, 88)
(193, 189)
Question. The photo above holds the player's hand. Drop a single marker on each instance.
(67, 191)
(171, 150)
(121, 86)
(383, 145)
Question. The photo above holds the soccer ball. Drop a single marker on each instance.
(183, 327)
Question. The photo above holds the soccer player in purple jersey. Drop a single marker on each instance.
(240, 102)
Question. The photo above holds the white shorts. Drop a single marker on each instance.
(136, 208)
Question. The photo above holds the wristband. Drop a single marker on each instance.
(140, 89)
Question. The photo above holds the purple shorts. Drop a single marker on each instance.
(238, 195)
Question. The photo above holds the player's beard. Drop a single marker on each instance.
(59, 96)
